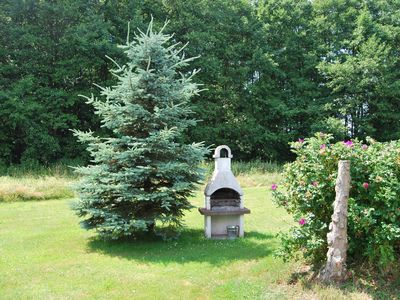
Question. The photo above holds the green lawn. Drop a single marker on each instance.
(44, 254)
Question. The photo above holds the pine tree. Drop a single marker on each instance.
(143, 173)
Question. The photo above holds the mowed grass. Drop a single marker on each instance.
(44, 254)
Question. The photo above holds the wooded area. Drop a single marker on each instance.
(274, 71)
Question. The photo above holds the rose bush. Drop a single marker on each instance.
(308, 192)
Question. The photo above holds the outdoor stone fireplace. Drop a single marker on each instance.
(224, 208)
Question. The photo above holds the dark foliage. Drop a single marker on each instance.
(274, 70)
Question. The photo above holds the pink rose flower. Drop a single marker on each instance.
(348, 143)
(323, 146)
(274, 187)
(364, 147)
(301, 140)
(365, 185)
(302, 221)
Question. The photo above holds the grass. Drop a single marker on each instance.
(35, 188)
(36, 182)
(59, 170)
(27, 183)
(44, 254)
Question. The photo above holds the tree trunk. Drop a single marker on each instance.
(151, 227)
(335, 268)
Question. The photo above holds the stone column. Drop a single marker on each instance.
(207, 219)
(207, 226)
(241, 226)
(335, 268)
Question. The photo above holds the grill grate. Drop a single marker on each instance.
(224, 198)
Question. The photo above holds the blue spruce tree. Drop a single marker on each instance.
(142, 174)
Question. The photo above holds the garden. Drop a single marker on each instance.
(45, 254)
(118, 180)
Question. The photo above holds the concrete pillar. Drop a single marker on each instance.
(207, 226)
(207, 202)
(241, 226)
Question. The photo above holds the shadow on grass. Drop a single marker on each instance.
(374, 285)
(190, 247)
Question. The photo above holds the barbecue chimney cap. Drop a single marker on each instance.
(222, 151)
(222, 176)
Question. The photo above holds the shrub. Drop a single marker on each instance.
(308, 192)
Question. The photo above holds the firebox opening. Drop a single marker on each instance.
(223, 153)
(224, 199)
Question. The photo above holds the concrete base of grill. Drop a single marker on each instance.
(215, 226)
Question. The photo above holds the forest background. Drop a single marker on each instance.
(273, 71)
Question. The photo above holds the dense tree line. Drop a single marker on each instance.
(273, 70)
